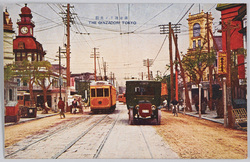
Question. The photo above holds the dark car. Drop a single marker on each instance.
(143, 100)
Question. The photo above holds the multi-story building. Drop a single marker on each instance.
(234, 18)
(198, 40)
(10, 86)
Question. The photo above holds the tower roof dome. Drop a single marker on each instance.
(26, 10)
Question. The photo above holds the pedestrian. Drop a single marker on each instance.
(61, 106)
(165, 103)
(175, 103)
(74, 104)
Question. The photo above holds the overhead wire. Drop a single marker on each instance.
(153, 17)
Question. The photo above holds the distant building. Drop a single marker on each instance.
(10, 86)
(8, 34)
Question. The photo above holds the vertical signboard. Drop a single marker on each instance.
(222, 62)
(164, 90)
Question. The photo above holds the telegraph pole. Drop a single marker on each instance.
(171, 62)
(188, 104)
(60, 69)
(210, 67)
(176, 70)
(104, 69)
(166, 29)
(60, 73)
(67, 21)
(95, 55)
(148, 69)
(148, 63)
(228, 29)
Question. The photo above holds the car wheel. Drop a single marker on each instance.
(159, 117)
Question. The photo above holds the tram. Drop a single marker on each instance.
(122, 98)
(143, 100)
(102, 96)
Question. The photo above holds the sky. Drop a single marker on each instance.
(123, 46)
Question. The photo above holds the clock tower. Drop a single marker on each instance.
(25, 46)
(25, 25)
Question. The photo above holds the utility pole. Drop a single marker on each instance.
(60, 69)
(67, 21)
(188, 104)
(176, 70)
(60, 73)
(104, 69)
(148, 63)
(166, 29)
(148, 69)
(228, 29)
(171, 62)
(210, 67)
(100, 73)
(95, 55)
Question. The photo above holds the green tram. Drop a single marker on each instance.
(143, 100)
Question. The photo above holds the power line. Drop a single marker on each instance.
(40, 15)
(160, 49)
(153, 17)
(185, 13)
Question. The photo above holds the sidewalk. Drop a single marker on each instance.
(38, 116)
(209, 115)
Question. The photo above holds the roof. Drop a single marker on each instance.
(224, 6)
(29, 43)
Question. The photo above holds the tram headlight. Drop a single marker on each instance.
(153, 107)
(137, 107)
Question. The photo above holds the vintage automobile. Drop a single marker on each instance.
(143, 100)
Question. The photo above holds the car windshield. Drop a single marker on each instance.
(144, 91)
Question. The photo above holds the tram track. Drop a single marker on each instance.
(105, 139)
(49, 135)
(77, 139)
(108, 123)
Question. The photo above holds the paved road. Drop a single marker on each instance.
(95, 136)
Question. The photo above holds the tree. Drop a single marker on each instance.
(26, 71)
(43, 78)
(196, 63)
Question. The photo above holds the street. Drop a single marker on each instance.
(93, 136)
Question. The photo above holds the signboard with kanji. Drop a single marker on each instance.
(164, 90)
(222, 62)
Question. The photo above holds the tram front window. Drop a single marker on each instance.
(99, 92)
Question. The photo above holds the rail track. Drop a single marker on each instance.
(18, 153)
(47, 136)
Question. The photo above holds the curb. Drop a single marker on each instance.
(206, 118)
(41, 117)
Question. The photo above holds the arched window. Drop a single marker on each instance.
(196, 30)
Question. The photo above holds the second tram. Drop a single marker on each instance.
(102, 96)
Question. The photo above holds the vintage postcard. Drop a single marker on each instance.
(124, 80)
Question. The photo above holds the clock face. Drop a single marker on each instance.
(24, 30)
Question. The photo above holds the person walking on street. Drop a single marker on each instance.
(74, 104)
(61, 106)
(175, 103)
